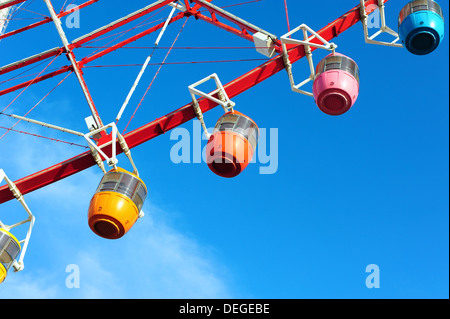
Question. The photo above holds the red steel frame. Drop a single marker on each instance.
(79, 42)
(181, 115)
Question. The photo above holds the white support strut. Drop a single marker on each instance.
(55, 127)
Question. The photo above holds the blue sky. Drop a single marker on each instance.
(367, 187)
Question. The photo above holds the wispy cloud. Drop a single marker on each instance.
(28, 286)
(175, 265)
(152, 261)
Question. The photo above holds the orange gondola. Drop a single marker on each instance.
(232, 144)
(116, 204)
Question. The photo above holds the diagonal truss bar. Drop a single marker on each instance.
(120, 22)
(47, 20)
(31, 60)
(183, 114)
(41, 78)
(129, 40)
(10, 3)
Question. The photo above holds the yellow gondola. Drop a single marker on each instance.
(9, 251)
(116, 204)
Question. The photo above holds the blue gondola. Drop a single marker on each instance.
(421, 26)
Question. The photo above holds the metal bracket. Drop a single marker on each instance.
(306, 42)
(96, 149)
(223, 100)
(383, 28)
(18, 265)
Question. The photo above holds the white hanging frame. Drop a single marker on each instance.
(383, 28)
(306, 42)
(115, 135)
(18, 265)
(223, 100)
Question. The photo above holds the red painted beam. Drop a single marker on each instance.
(217, 23)
(244, 30)
(10, 4)
(49, 75)
(216, 11)
(128, 41)
(120, 22)
(47, 20)
(180, 116)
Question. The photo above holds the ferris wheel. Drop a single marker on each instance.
(117, 202)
